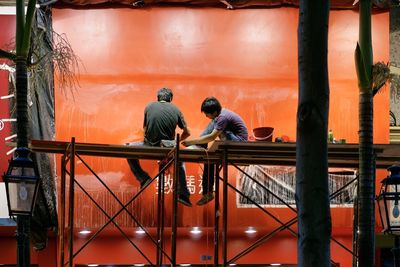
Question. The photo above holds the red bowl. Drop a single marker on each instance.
(263, 133)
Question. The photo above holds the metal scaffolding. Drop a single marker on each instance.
(221, 153)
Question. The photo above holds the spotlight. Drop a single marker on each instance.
(85, 232)
(250, 230)
(195, 230)
(140, 231)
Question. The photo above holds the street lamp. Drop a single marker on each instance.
(22, 183)
(389, 210)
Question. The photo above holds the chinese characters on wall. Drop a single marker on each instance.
(193, 183)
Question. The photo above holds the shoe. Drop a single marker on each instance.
(145, 183)
(184, 200)
(205, 199)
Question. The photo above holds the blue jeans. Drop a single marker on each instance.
(209, 169)
(143, 176)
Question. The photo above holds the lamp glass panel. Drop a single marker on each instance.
(21, 195)
(23, 171)
(393, 205)
(382, 212)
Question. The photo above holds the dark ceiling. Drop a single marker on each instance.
(379, 5)
(335, 4)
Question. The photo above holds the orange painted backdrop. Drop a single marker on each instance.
(246, 58)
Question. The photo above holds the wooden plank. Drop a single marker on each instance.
(268, 153)
(122, 151)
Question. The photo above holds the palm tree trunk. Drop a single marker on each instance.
(366, 207)
(312, 192)
(22, 102)
(366, 183)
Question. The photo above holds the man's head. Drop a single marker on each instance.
(211, 107)
(164, 94)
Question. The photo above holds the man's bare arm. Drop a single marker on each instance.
(185, 134)
(205, 139)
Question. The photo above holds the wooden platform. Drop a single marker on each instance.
(339, 155)
(268, 153)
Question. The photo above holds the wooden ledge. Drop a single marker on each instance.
(266, 153)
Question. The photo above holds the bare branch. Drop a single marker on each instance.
(61, 58)
(8, 55)
(380, 76)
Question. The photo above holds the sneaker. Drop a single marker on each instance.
(184, 200)
(205, 199)
(145, 183)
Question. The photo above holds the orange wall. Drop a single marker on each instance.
(44, 258)
(189, 250)
(246, 58)
(279, 249)
(122, 252)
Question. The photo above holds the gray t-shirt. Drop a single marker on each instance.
(160, 121)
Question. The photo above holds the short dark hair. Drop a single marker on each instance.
(165, 94)
(210, 105)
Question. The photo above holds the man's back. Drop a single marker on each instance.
(160, 121)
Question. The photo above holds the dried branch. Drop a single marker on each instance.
(66, 63)
(60, 58)
(8, 55)
(380, 76)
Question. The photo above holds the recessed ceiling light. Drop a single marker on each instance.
(85, 232)
(184, 264)
(139, 264)
(250, 230)
(140, 231)
(195, 230)
(275, 264)
(93, 265)
(232, 264)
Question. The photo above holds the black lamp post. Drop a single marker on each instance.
(389, 210)
(22, 183)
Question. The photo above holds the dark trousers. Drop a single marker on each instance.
(137, 170)
(208, 178)
(142, 176)
(209, 169)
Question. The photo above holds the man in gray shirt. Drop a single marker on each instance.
(160, 121)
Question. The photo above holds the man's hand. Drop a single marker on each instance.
(205, 139)
(188, 143)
